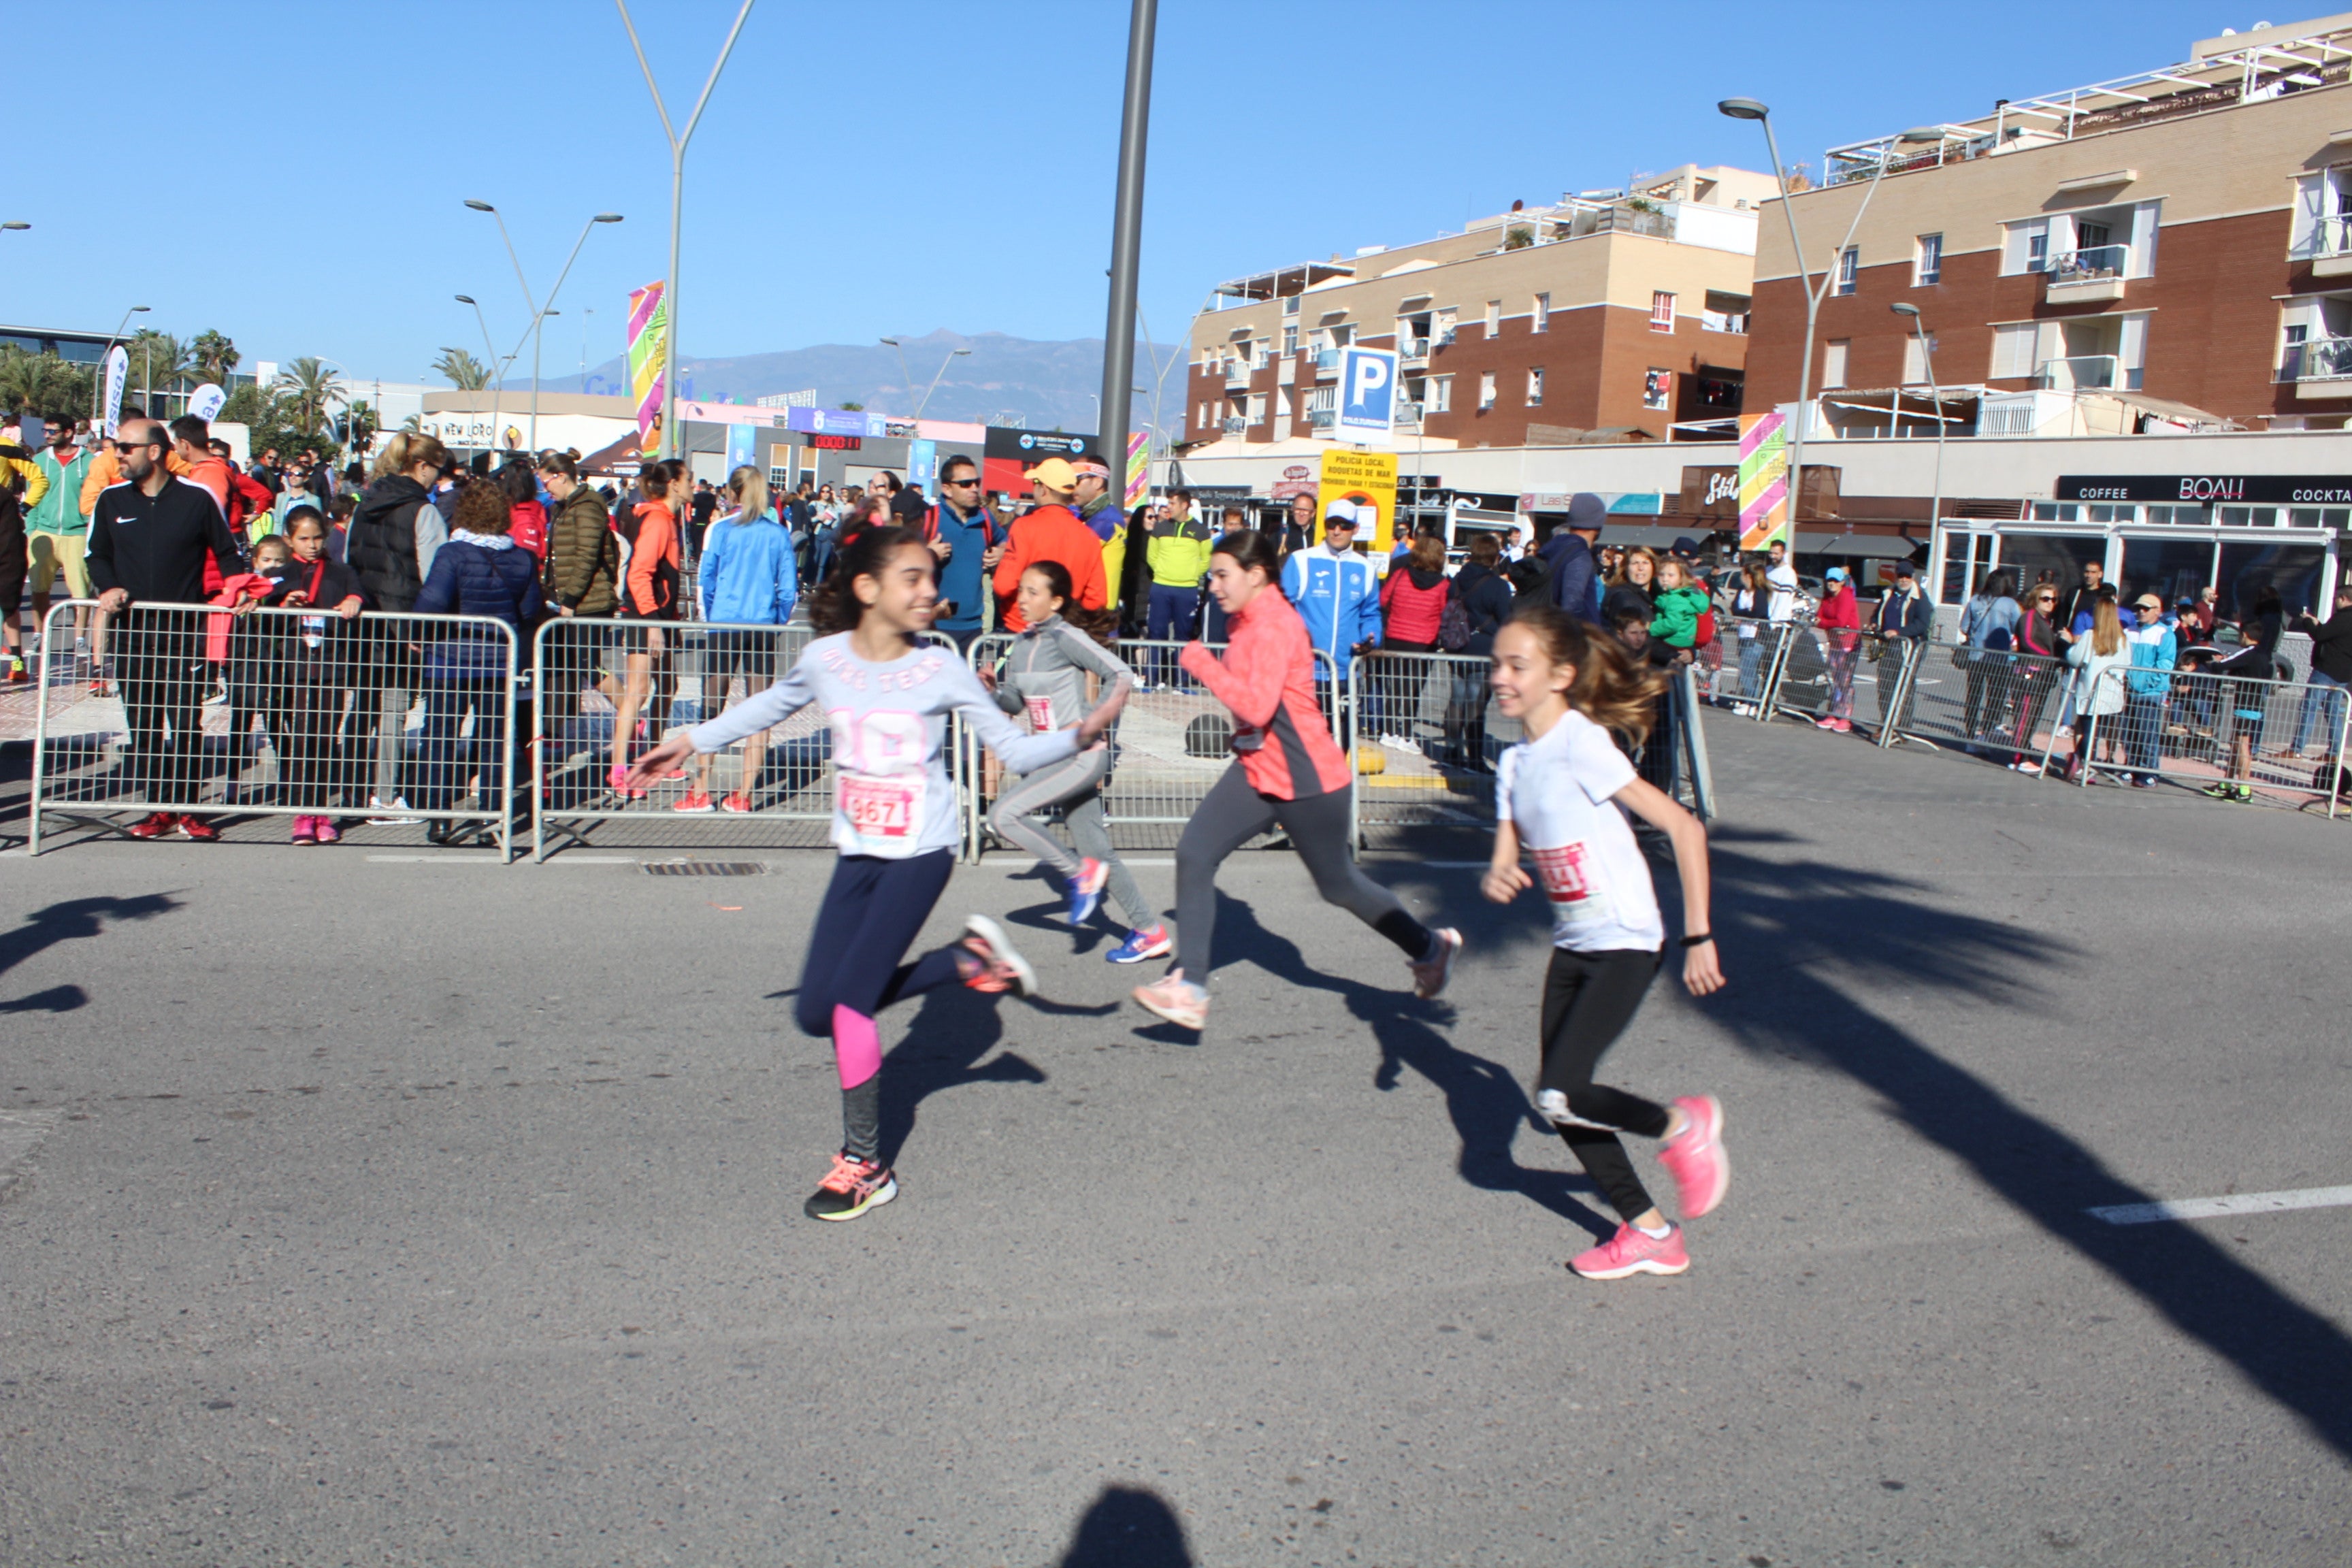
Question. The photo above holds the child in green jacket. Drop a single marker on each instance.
(1679, 605)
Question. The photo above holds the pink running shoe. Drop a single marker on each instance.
(324, 827)
(1002, 966)
(305, 831)
(1176, 999)
(1630, 1252)
(1695, 1156)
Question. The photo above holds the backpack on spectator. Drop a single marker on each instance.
(1704, 633)
(1454, 623)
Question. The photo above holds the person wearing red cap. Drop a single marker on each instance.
(1051, 533)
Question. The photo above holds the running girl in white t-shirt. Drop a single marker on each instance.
(1561, 796)
(888, 697)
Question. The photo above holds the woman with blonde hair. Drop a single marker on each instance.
(748, 586)
(2100, 658)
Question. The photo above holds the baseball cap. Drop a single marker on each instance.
(1834, 574)
(2149, 601)
(1340, 514)
(1903, 569)
(1055, 474)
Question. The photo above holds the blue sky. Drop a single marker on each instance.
(870, 169)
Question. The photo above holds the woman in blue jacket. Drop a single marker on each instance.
(478, 572)
(749, 581)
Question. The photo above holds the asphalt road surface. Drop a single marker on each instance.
(427, 1211)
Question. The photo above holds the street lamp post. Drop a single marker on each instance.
(541, 310)
(671, 445)
(905, 375)
(953, 354)
(1126, 244)
(1749, 108)
(490, 350)
(1927, 359)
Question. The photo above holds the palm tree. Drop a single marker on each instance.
(163, 363)
(465, 373)
(312, 387)
(217, 356)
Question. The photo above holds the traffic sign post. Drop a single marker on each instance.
(1368, 382)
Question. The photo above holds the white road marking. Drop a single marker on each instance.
(2236, 1203)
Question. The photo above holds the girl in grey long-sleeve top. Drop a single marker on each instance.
(1044, 678)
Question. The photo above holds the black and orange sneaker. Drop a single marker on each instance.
(850, 1188)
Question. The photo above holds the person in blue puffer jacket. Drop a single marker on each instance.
(750, 582)
(1335, 591)
(480, 572)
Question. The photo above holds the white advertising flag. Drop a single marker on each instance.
(118, 370)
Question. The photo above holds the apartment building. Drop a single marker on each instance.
(1606, 316)
(2180, 238)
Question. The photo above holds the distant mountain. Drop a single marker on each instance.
(1050, 385)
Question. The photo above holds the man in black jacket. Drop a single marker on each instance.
(149, 536)
(1905, 617)
(1485, 597)
(2331, 666)
(1568, 556)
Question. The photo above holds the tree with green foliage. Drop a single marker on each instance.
(159, 363)
(465, 373)
(216, 355)
(44, 386)
(310, 387)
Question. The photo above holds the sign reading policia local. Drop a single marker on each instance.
(1361, 485)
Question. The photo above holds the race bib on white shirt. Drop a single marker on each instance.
(1041, 714)
(885, 812)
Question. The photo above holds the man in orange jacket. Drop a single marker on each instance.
(1051, 533)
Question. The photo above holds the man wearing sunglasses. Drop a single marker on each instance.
(151, 538)
(963, 537)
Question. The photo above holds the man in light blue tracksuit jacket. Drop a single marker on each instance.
(1335, 591)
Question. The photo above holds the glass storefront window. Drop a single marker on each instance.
(2179, 516)
(2054, 557)
(2318, 516)
(2172, 569)
(2294, 570)
(2056, 511)
(2250, 516)
(1967, 557)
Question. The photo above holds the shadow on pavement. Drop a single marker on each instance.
(1128, 1527)
(950, 1032)
(1879, 930)
(69, 921)
(1486, 1103)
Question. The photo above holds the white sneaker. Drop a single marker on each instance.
(392, 815)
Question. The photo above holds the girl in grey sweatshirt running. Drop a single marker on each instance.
(1045, 677)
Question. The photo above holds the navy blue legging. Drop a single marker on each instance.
(873, 911)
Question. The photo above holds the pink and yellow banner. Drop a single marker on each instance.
(1763, 479)
(1139, 468)
(649, 341)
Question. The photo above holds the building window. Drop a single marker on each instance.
(1290, 337)
(1534, 387)
(1493, 317)
(1542, 314)
(1834, 355)
(2012, 350)
(1442, 326)
(1257, 408)
(1657, 388)
(1849, 266)
(1290, 305)
(1915, 359)
(1928, 265)
(1486, 391)
(1661, 312)
(1441, 393)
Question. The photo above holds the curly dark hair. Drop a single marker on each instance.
(833, 607)
(482, 507)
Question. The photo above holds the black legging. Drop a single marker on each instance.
(1588, 998)
(1230, 817)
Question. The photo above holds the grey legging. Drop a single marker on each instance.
(1076, 786)
(1232, 815)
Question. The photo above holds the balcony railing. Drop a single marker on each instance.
(2321, 359)
(2079, 371)
(1321, 418)
(1327, 363)
(1722, 322)
(2091, 265)
(1413, 349)
(2331, 236)
(1234, 424)
(1407, 415)
(1237, 373)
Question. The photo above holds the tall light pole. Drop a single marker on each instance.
(671, 445)
(1927, 359)
(541, 309)
(953, 354)
(905, 375)
(487, 348)
(1126, 244)
(1749, 108)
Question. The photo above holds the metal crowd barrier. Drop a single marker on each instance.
(1170, 746)
(670, 675)
(1439, 734)
(1850, 675)
(2001, 705)
(2214, 731)
(1758, 659)
(198, 710)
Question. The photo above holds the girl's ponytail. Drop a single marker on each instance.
(1610, 688)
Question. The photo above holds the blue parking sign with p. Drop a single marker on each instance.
(1367, 396)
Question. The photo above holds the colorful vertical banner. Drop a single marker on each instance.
(649, 341)
(1139, 468)
(1361, 484)
(118, 370)
(922, 460)
(742, 446)
(1763, 479)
